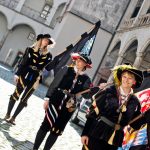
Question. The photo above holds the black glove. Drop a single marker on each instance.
(147, 116)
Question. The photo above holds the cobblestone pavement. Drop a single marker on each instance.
(22, 135)
(7, 74)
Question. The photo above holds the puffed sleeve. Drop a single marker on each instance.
(88, 85)
(93, 113)
(55, 83)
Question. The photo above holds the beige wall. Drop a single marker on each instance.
(17, 40)
(35, 4)
(71, 29)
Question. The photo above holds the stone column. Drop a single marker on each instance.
(3, 39)
(138, 60)
(120, 59)
(20, 5)
(118, 62)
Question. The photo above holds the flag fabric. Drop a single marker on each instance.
(139, 137)
(84, 45)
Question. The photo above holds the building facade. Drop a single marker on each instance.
(131, 43)
(79, 18)
(22, 20)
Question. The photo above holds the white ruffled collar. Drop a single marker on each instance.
(76, 71)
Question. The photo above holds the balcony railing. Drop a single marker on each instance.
(127, 24)
(31, 13)
(9, 3)
(141, 21)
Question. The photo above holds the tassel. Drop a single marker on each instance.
(86, 148)
(110, 141)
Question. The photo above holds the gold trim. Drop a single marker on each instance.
(14, 98)
(21, 82)
(57, 131)
(86, 148)
(27, 94)
(110, 141)
(44, 57)
(16, 91)
(35, 55)
(34, 60)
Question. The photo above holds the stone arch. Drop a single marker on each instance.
(1, 12)
(129, 54)
(26, 24)
(114, 44)
(145, 64)
(3, 27)
(126, 44)
(16, 42)
(142, 50)
(114, 53)
(109, 61)
(57, 16)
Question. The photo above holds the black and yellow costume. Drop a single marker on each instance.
(29, 72)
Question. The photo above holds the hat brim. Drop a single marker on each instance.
(77, 56)
(137, 73)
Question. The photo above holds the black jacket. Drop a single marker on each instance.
(108, 104)
(64, 81)
(30, 59)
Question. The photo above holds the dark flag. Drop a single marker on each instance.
(146, 82)
(84, 45)
(139, 138)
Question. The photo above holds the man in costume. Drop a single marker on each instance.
(113, 109)
(140, 139)
(61, 99)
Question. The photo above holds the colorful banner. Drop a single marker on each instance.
(134, 138)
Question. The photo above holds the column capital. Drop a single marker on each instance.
(120, 54)
(139, 54)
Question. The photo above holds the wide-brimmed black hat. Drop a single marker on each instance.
(118, 70)
(84, 57)
(47, 36)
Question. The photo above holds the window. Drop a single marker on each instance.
(148, 11)
(138, 6)
(45, 11)
(31, 36)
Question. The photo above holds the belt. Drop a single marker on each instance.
(110, 123)
(34, 68)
